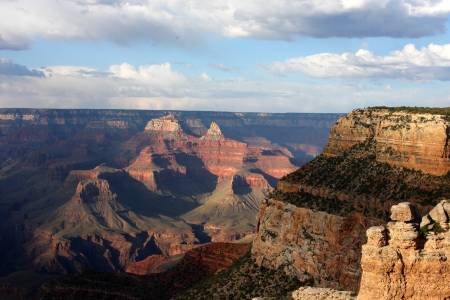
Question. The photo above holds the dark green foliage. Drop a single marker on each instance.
(436, 228)
(423, 232)
(357, 182)
(244, 280)
(416, 110)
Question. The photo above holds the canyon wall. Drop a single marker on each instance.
(313, 224)
(401, 261)
(413, 140)
(310, 244)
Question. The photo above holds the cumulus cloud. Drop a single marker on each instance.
(428, 63)
(159, 75)
(7, 67)
(161, 87)
(184, 22)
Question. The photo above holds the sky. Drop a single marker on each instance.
(228, 55)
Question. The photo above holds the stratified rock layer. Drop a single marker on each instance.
(407, 265)
(314, 223)
(413, 140)
(313, 293)
(311, 245)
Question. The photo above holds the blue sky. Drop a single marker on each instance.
(283, 56)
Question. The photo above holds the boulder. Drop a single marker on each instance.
(404, 212)
(439, 214)
(376, 236)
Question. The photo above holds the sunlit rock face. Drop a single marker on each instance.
(312, 245)
(167, 124)
(314, 223)
(413, 140)
(399, 261)
(214, 132)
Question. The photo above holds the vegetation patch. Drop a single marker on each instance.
(356, 182)
(415, 109)
(244, 280)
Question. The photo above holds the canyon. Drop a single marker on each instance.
(219, 215)
(130, 191)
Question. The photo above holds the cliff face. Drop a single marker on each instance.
(413, 140)
(399, 262)
(314, 246)
(313, 224)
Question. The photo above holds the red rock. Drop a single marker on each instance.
(151, 264)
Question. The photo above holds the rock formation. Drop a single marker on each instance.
(214, 132)
(413, 140)
(313, 225)
(166, 124)
(312, 245)
(213, 166)
(97, 229)
(400, 261)
(312, 293)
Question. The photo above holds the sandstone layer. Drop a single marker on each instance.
(313, 224)
(401, 262)
(313, 293)
(312, 245)
(413, 140)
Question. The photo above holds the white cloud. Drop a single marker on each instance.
(205, 77)
(75, 71)
(186, 21)
(161, 87)
(160, 75)
(429, 63)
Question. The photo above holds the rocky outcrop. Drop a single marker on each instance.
(314, 293)
(255, 180)
(410, 139)
(314, 223)
(167, 124)
(401, 261)
(214, 132)
(223, 158)
(142, 169)
(310, 244)
(149, 265)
